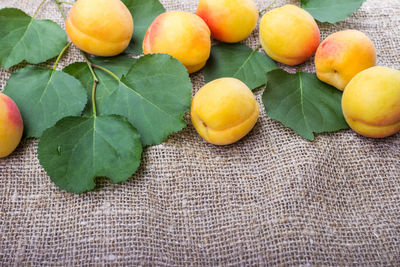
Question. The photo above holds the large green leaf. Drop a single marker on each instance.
(25, 38)
(143, 13)
(238, 61)
(119, 65)
(81, 72)
(154, 95)
(77, 150)
(303, 103)
(331, 10)
(44, 97)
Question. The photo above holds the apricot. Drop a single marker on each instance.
(342, 55)
(289, 34)
(230, 21)
(11, 126)
(223, 111)
(100, 27)
(182, 35)
(371, 102)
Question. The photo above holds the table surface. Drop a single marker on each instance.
(271, 198)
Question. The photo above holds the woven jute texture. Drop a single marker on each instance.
(271, 199)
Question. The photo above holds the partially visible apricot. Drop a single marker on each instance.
(100, 27)
(230, 21)
(289, 34)
(182, 35)
(371, 102)
(342, 55)
(224, 111)
(11, 126)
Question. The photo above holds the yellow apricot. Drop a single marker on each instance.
(371, 102)
(289, 34)
(182, 35)
(100, 27)
(230, 21)
(224, 111)
(342, 55)
(11, 126)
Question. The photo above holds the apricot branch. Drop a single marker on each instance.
(89, 66)
(95, 82)
(94, 98)
(37, 9)
(268, 7)
(107, 71)
(60, 55)
(67, 3)
(58, 3)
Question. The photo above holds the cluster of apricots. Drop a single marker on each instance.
(225, 110)
(345, 60)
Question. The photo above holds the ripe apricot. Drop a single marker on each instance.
(11, 126)
(100, 27)
(182, 35)
(289, 34)
(224, 110)
(371, 102)
(342, 55)
(230, 21)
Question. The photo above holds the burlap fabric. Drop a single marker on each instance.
(272, 198)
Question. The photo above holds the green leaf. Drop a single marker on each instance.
(81, 72)
(77, 150)
(143, 14)
(331, 11)
(303, 103)
(119, 65)
(44, 97)
(25, 38)
(238, 61)
(154, 96)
